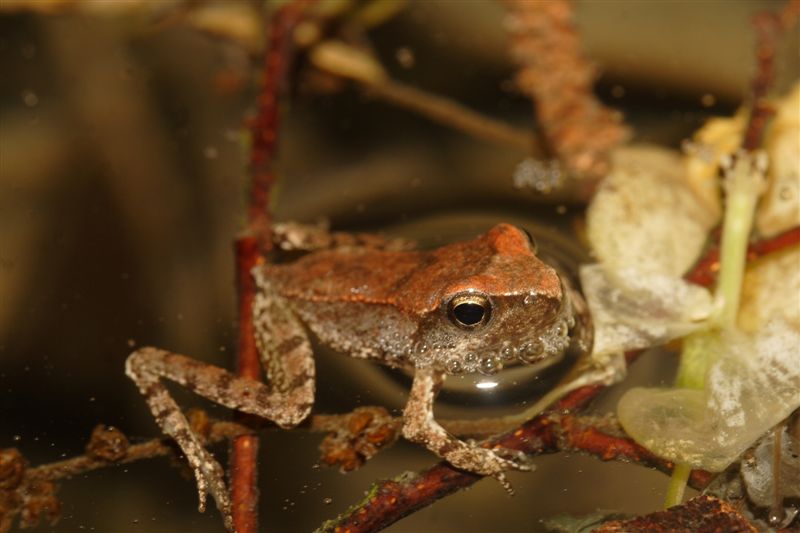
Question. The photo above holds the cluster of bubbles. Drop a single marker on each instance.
(551, 343)
(447, 354)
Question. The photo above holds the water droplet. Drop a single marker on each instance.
(327, 500)
(405, 56)
(489, 365)
(16, 438)
(471, 358)
(29, 98)
(561, 329)
(453, 365)
(530, 351)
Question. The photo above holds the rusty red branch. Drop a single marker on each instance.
(705, 272)
(256, 241)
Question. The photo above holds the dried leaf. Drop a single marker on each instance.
(645, 215)
(780, 207)
(718, 137)
(638, 311)
(771, 290)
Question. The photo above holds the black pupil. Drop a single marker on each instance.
(469, 314)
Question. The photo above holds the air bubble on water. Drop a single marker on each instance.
(16, 438)
(453, 365)
(489, 365)
(327, 500)
(530, 351)
(508, 353)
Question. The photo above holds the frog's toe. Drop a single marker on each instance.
(504, 482)
(514, 459)
(211, 479)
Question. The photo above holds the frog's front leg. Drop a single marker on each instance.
(420, 426)
(287, 358)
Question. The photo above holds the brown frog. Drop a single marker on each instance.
(471, 306)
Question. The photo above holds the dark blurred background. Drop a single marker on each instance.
(122, 181)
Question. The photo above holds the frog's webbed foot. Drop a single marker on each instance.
(420, 426)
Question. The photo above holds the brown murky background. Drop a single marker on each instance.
(122, 184)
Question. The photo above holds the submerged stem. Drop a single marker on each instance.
(677, 485)
(744, 182)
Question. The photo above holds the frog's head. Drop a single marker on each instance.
(497, 303)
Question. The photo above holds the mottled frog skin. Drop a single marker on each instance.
(472, 306)
(402, 307)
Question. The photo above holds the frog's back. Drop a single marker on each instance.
(353, 275)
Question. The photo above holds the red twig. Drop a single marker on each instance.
(767, 28)
(391, 500)
(705, 272)
(244, 449)
(255, 242)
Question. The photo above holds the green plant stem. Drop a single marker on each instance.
(744, 182)
(677, 485)
(744, 185)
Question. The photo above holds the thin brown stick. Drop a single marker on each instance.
(452, 114)
(343, 60)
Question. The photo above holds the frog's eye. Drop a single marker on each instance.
(531, 241)
(469, 310)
